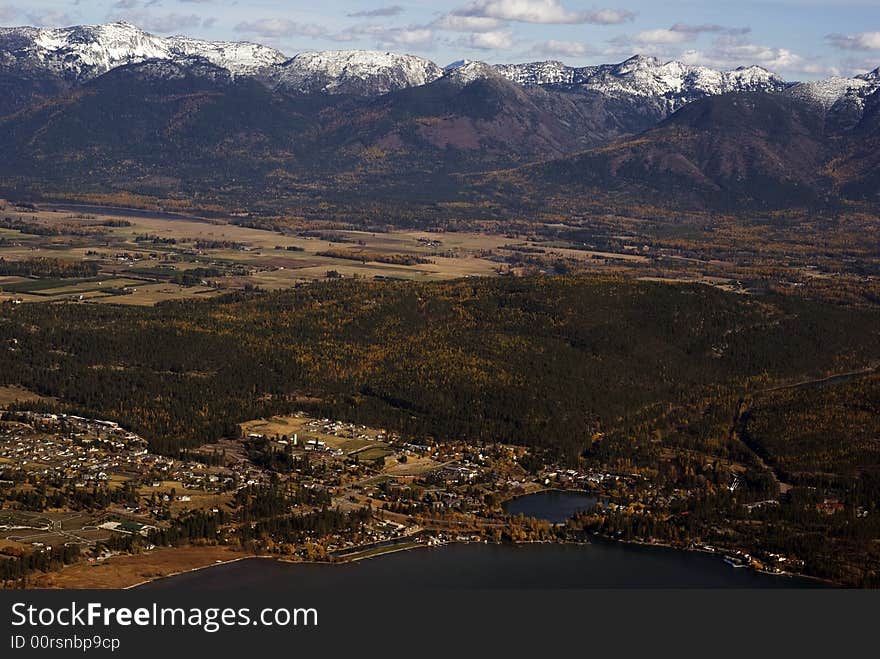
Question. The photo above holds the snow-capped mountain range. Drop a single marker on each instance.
(360, 72)
(671, 83)
(84, 52)
(81, 53)
(838, 95)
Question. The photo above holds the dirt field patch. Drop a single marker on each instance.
(124, 571)
(15, 394)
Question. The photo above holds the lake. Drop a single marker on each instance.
(555, 506)
(489, 566)
(601, 564)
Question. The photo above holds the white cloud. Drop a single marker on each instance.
(541, 11)
(709, 27)
(167, 23)
(852, 66)
(457, 23)
(661, 36)
(728, 53)
(554, 48)
(393, 10)
(146, 4)
(678, 33)
(607, 16)
(860, 41)
(415, 36)
(281, 27)
(498, 40)
(419, 37)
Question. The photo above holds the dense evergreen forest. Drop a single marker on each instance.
(547, 362)
(43, 267)
(821, 435)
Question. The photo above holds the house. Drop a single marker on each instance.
(830, 506)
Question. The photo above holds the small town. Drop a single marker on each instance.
(91, 490)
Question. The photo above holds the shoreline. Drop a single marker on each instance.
(721, 552)
(194, 569)
(368, 551)
(354, 559)
(441, 544)
(716, 552)
(444, 543)
(357, 555)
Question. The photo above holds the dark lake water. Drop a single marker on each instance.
(600, 564)
(488, 566)
(553, 505)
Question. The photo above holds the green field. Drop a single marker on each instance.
(40, 286)
(373, 453)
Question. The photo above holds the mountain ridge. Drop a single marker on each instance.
(74, 55)
(173, 114)
(83, 52)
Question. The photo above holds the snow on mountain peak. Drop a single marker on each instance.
(359, 72)
(550, 72)
(871, 76)
(470, 71)
(840, 95)
(637, 62)
(239, 57)
(825, 93)
(83, 52)
(672, 83)
(79, 52)
(457, 64)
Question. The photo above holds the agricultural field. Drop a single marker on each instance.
(139, 258)
(143, 259)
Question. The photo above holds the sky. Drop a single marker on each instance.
(798, 39)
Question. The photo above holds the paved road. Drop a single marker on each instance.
(827, 379)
